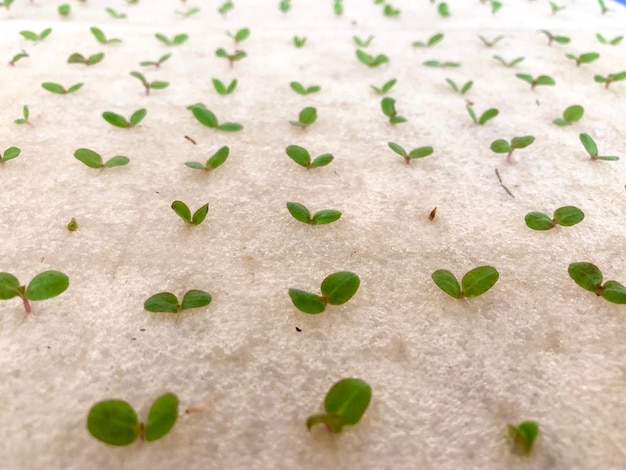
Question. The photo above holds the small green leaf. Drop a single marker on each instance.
(327, 216)
(182, 210)
(421, 152)
(568, 216)
(573, 113)
(299, 155)
(588, 57)
(114, 422)
(614, 292)
(308, 116)
(538, 221)
(606, 158)
(196, 165)
(501, 146)
(157, 85)
(586, 275)
(72, 226)
(115, 119)
(9, 286)
(339, 287)
(30, 35)
(522, 142)
(76, 58)
(89, 158)
(561, 122)
(446, 281)
(230, 127)
(589, 144)
(479, 280)
(10, 154)
(96, 58)
(525, 77)
(195, 299)
(200, 215)
(54, 88)
(524, 435)
(345, 404)
(298, 88)
(163, 302)
(322, 160)
(397, 148)
(218, 158)
(46, 285)
(179, 39)
(137, 117)
(75, 88)
(219, 86)
(161, 417)
(116, 161)
(487, 115)
(388, 106)
(306, 301)
(299, 212)
(205, 116)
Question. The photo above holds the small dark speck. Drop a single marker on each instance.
(537, 101)
(142, 329)
(49, 347)
(133, 338)
(298, 329)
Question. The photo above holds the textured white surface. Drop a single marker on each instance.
(446, 375)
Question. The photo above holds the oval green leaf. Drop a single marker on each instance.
(117, 161)
(397, 148)
(446, 281)
(524, 435)
(326, 217)
(299, 212)
(589, 144)
(500, 146)
(195, 299)
(573, 113)
(538, 221)
(479, 280)
(322, 160)
(89, 158)
(195, 165)
(114, 422)
(308, 115)
(300, 155)
(568, 216)
(182, 210)
(9, 286)
(348, 398)
(137, 117)
(161, 417)
(230, 127)
(306, 301)
(46, 285)
(204, 116)
(165, 302)
(614, 292)
(339, 287)
(218, 158)
(54, 88)
(421, 152)
(200, 215)
(115, 119)
(522, 142)
(586, 275)
(11, 153)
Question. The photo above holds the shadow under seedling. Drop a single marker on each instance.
(388, 106)
(182, 210)
(120, 121)
(77, 58)
(302, 214)
(208, 118)
(156, 85)
(592, 149)
(10, 154)
(94, 160)
(306, 117)
(43, 286)
(420, 152)
(216, 160)
(476, 282)
(344, 405)
(302, 157)
(502, 146)
(115, 422)
(166, 302)
(571, 115)
(589, 277)
(336, 289)
(564, 216)
(523, 436)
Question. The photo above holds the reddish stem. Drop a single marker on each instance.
(26, 305)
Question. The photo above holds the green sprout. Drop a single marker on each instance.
(225, 7)
(101, 37)
(43, 286)
(182, 210)
(120, 121)
(443, 65)
(10, 154)
(60, 89)
(432, 41)
(175, 41)
(491, 42)
(555, 38)
(420, 152)
(6, 4)
(603, 7)
(484, 117)
(476, 282)
(72, 225)
(544, 80)
(284, 6)
(222, 89)
(232, 58)
(586, 58)
(336, 289)
(299, 42)
(188, 13)
(512, 63)
(358, 42)
(116, 15)
(571, 115)
(77, 58)
(385, 88)
(338, 7)
(443, 10)
(240, 35)
(32, 36)
(523, 436)
(208, 118)
(589, 277)
(157, 64)
(611, 42)
(345, 404)
(502, 146)
(460, 89)
(554, 8)
(216, 160)
(94, 160)
(302, 157)
(592, 149)
(495, 6)
(370, 60)
(166, 302)
(18, 56)
(610, 78)
(390, 12)
(156, 85)
(388, 106)
(302, 214)
(564, 216)
(25, 114)
(64, 9)
(306, 117)
(302, 90)
(115, 422)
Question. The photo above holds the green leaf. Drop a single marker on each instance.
(9, 286)
(589, 144)
(163, 302)
(231, 86)
(298, 88)
(76, 58)
(614, 292)
(479, 280)
(182, 210)
(137, 117)
(327, 216)
(573, 113)
(195, 299)
(300, 155)
(524, 435)
(99, 35)
(116, 161)
(501, 146)
(75, 88)
(345, 404)
(522, 142)
(608, 159)
(397, 119)
(96, 58)
(218, 158)
(568, 216)
(242, 35)
(527, 78)
(308, 116)
(487, 115)
(588, 57)
(421, 152)
(397, 148)
(544, 80)
(466, 87)
(161, 417)
(230, 127)
(219, 86)
(46, 285)
(446, 281)
(388, 106)
(139, 77)
(339, 287)
(435, 39)
(561, 122)
(472, 114)
(322, 160)
(538, 221)
(179, 39)
(200, 215)
(299, 212)
(89, 158)
(157, 85)
(306, 301)
(114, 422)
(205, 116)
(10, 154)
(586, 275)
(54, 88)
(195, 165)
(115, 119)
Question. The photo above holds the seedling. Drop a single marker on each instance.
(554, 8)
(302, 214)
(239, 36)
(443, 65)
(432, 41)
(336, 289)
(388, 106)
(512, 63)
(484, 117)
(166, 302)
(345, 404)
(338, 7)
(32, 36)
(302, 90)
(222, 89)
(115, 422)
(94, 160)
(6, 4)
(43, 286)
(592, 149)
(302, 157)
(420, 152)
(502, 146)
(225, 7)
(603, 7)
(299, 42)
(370, 60)
(358, 42)
(563, 216)
(495, 6)
(583, 58)
(115, 14)
(232, 58)
(60, 89)
(208, 118)
(72, 226)
(610, 78)
(188, 13)
(17, 57)
(612, 42)
(101, 37)
(385, 88)
(25, 114)
(571, 115)
(10, 154)
(77, 58)
(523, 436)
(391, 12)
(306, 117)
(534, 82)
(284, 6)
(443, 10)
(182, 210)
(175, 41)
(216, 160)
(157, 64)
(491, 42)
(64, 9)
(555, 38)
(476, 282)
(156, 85)
(589, 277)
(120, 121)
(460, 89)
